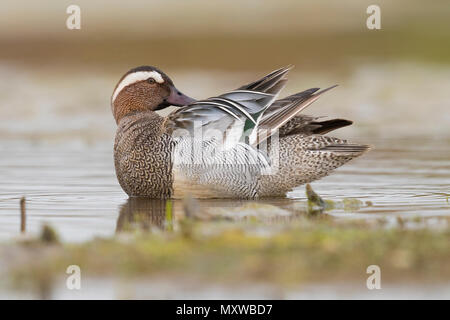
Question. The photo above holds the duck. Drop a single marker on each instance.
(245, 143)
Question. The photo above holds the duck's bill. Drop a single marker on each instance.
(178, 99)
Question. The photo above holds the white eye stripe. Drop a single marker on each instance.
(136, 77)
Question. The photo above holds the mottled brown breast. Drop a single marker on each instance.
(143, 156)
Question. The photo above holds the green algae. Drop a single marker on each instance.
(351, 204)
(49, 235)
(318, 205)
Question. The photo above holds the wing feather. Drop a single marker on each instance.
(284, 110)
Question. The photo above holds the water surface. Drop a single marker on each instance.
(56, 140)
(74, 188)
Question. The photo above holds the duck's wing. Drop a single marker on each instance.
(235, 114)
(273, 83)
(217, 131)
(284, 115)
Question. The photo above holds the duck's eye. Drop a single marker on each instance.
(151, 80)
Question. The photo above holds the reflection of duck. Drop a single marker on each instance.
(161, 157)
(142, 213)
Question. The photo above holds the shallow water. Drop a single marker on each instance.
(56, 136)
(74, 189)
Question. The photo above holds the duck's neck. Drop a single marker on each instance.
(124, 107)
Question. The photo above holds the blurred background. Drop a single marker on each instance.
(55, 83)
(57, 135)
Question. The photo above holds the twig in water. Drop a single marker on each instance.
(23, 215)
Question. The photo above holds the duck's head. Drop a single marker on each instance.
(145, 88)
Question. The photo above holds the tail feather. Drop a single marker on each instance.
(302, 159)
(330, 125)
(350, 148)
(308, 125)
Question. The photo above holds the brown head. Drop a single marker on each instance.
(145, 88)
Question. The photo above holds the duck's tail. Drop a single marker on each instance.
(301, 159)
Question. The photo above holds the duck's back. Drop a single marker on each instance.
(143, 156)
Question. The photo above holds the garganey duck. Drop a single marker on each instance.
(241, 144)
